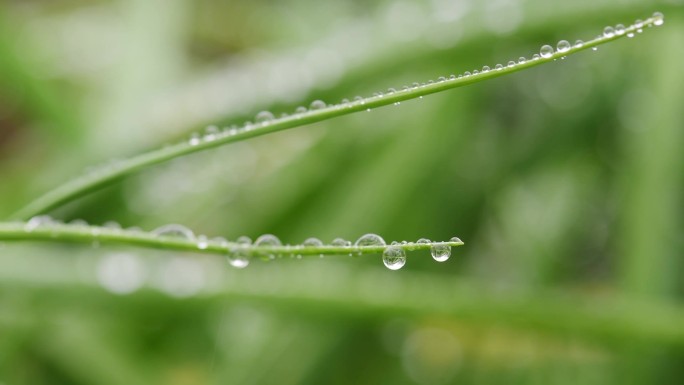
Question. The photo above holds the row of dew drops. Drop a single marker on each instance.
(238, 255)
(265, 118)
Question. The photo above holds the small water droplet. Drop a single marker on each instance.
(264, 117)
(441, 79)
(498, 67)
(174, 230)
(546, 51)
(579, 43)
(630, 34)
(238, 257)
(619, 29)
(658, 18)
(370, 240)
(455, 239)
(430, 81)
(639, 23)
(300, 110)
(521, 60)
(510, 64)
(202, 242)
(535, 56)
(467, 73)
(268, 240)
(475, 72)
(452, 77)
(608, 31)
(317, 105)
(312, 242)
(111, 225)
(341, 242)
(440, 252)
(485, 69)
(563, 46)
(394, 257)
(194, 139)
(594, 48)
(423, 241)
(36, 222)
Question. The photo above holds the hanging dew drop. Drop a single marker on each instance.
(174, 230)
(608, 31)
(563, 46)
(546, 51)
(264, 117)
(317, 105)
(394, 258)
(440, 252)
(238, 257)
(658, 19)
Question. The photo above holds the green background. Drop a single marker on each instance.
(565, 182)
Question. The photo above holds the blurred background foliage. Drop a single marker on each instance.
(564, 181)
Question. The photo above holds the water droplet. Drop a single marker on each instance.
(452, 77)
(268, 240)
(455, 239)
(608, 31)
(210, 133)
(423, 241)
(300, 110)
(394, 257)
(112, 225)
(467, 73)
(535, 56)
(521, 60)
(658, 19)
(563, 46)
(359, 99)
(174, 230)
(440, 252)
(498, 67)
(579, 43)
(317, 105)
(264, 117)
(312, 242)
(378, 94)
(341, 242)
(441, 79)
(630, 35)
(546, 51)
(475, 72)
(639, 23)
(510, 64)
(370, 240)
(36, 222)
(238, 257)
(619, 29)
(194, 139)
(79, 223)
(594, 48)
(202, 242)
(430, 81)
(485, 69)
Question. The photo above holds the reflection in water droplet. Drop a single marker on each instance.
(238, 257)
(370, 240)
(317, 105)
(312, 242)
(264, 117)
(658, 19)
(174, 230)
(546, 51)
(563, 46)
(394, 258)
(440, 252)
(608, 31)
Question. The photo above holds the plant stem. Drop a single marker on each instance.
(110, 173)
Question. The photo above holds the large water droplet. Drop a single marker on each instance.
(370, 240)
(264, 117)
(268, 240)
(317, 105)
(238, 257)
(608, 31)
(546, 51)
(394, 257)
(312, 242)
(174, 230)
(563, 46)
(440, 252)
(658, 18)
